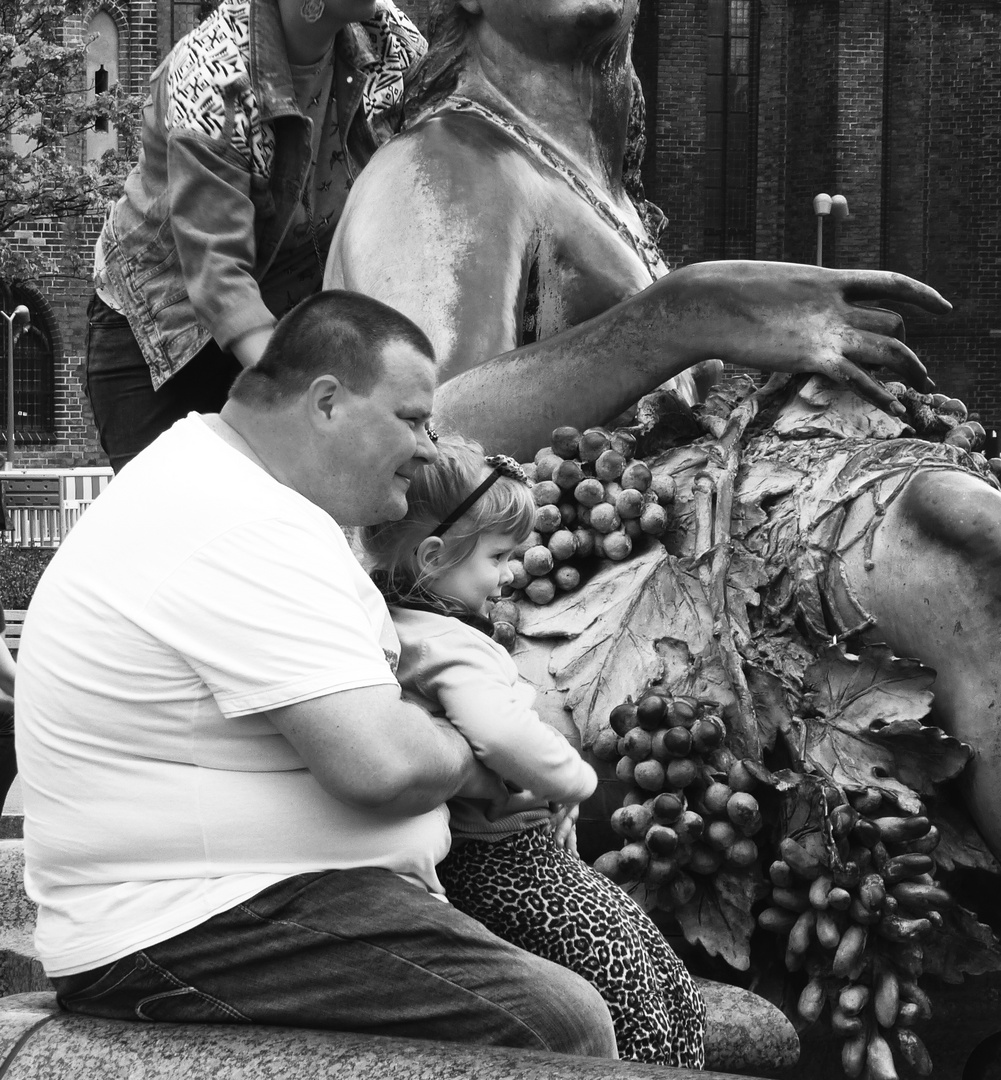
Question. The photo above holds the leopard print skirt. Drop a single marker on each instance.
(547, 901)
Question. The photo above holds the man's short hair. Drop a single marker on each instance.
(334, 332)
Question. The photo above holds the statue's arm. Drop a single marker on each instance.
(440, 232)
(441, 229)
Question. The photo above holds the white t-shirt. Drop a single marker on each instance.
(195, 594)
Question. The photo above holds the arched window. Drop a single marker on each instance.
(730, 126)
(34, 369)
(102, 74)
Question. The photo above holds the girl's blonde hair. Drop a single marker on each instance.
(506, 507)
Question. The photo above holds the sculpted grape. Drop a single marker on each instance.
(649, 775)
(540, 591)
(566, 578)
(609, 465)
(636, 476)
(562, 544)
(538, 560)
(548, 518)
(567, 475)
(565, 440)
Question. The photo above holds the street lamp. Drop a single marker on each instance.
(825, 205)
(19, 314)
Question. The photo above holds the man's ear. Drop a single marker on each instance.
(326, 394)
(427, 553)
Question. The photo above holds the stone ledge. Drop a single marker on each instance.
(11, 826)
(38, 1040)
(746, 1034)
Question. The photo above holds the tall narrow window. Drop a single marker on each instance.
(101, 87)
(729, 216)
(102, 75)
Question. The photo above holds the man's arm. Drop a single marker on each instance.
(370, 749)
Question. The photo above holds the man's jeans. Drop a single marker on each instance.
(352, 950)
(128, 412)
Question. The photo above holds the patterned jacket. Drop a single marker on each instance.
(224, 161)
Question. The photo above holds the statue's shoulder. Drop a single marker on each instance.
(467, 131)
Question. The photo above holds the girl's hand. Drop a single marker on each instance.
(564, 826)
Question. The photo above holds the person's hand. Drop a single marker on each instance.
(791, 317)
(483, 783)
(564, 826)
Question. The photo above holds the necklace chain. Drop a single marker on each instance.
(644, 247)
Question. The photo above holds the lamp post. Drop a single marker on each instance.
(19, 314)
(824, 205)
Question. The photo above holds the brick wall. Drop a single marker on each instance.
(677, 39)
(896, 104)
(944, 190)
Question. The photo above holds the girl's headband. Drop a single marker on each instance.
(502, 465)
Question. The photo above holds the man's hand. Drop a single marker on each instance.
(483, 783)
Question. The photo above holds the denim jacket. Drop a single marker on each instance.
(224, 161)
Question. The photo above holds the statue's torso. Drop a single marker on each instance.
(486, 273)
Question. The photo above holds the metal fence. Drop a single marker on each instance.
(40, 506)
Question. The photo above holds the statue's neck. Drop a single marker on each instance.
(582, 108)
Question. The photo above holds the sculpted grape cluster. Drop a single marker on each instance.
(854, 920)
(595, 500)
(851, 900)
(940, 418)
(690, 808)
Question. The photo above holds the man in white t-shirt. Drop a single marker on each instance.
(230, 813)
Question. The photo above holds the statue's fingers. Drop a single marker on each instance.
(877, 320)
(886, 285)
(873, 350)
(864, 384)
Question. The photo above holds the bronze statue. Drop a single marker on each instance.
(498, 221)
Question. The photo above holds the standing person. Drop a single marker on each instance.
(230, 814)
(257, 123)
(519, 874)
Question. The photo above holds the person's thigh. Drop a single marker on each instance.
(356, 950)
(128, 412)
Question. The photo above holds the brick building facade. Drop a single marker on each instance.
(896, 104)
(754, 106)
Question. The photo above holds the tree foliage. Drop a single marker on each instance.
(46, 108)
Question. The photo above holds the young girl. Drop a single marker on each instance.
(515, 868)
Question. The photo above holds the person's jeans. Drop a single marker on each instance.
(351, 950)
(128, 412)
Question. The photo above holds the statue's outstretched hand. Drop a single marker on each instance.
(798, 318)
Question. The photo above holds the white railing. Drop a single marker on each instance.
(42, 505)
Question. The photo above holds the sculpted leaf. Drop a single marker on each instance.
(961, 844)
(719, 916)
(865, 728)
(964, 945)
(822, 409)
(642, 621)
